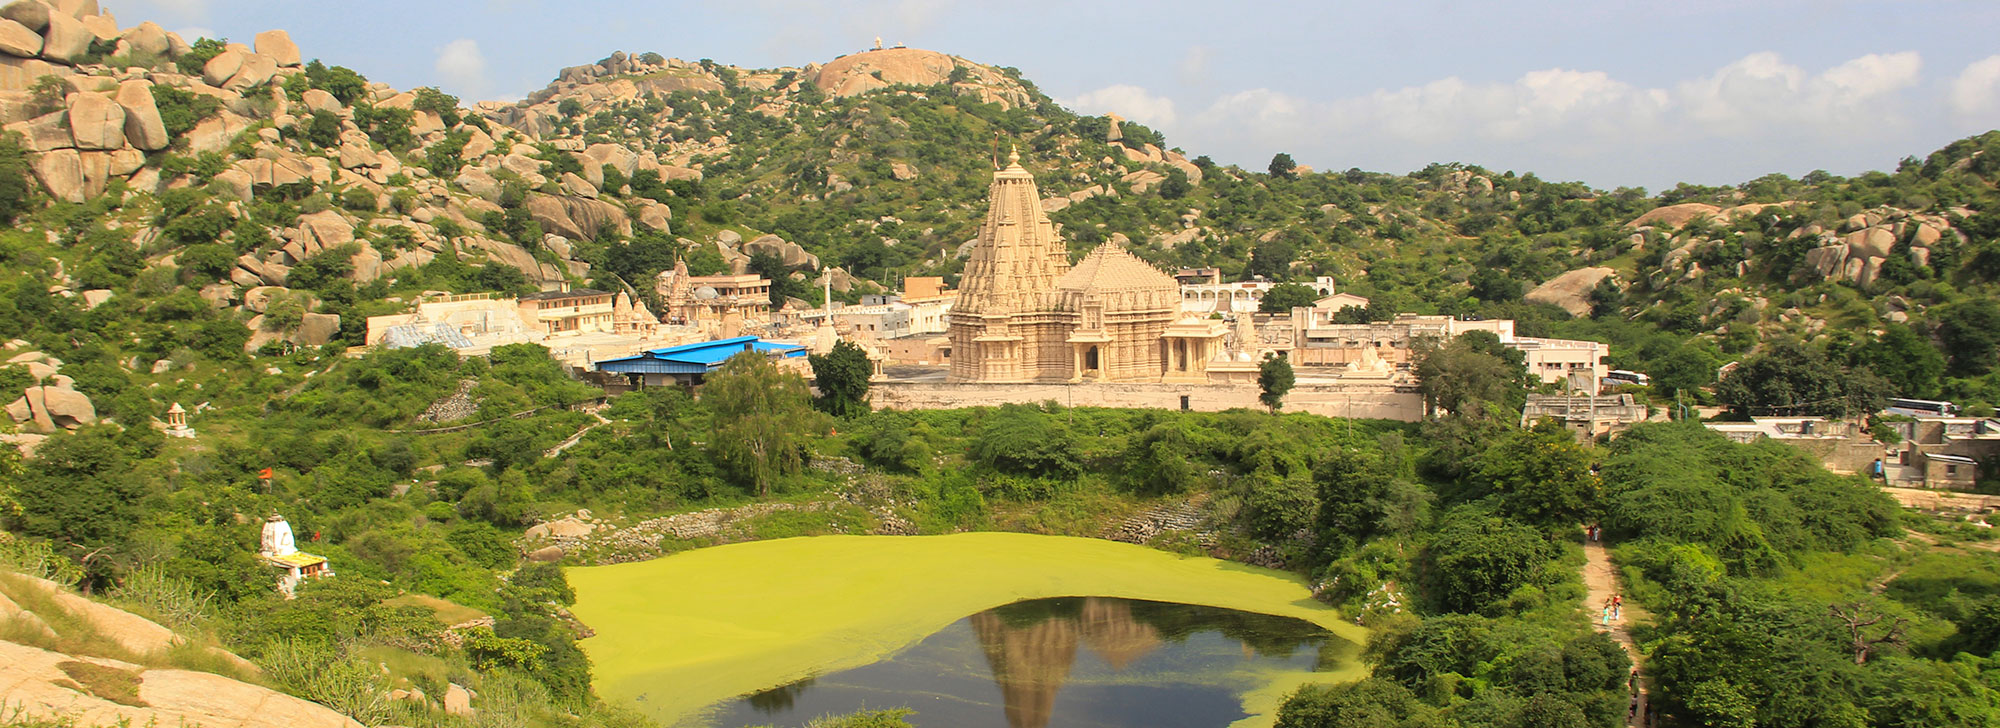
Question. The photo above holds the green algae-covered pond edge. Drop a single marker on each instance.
(681, 633)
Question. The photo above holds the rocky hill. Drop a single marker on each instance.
(81, 660)
(185, 202)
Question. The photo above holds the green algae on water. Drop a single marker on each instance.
(677, 634)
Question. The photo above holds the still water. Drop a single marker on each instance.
(1085, 662)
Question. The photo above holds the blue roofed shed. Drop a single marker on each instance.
(687, 364)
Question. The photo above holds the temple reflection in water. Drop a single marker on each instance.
(1094, 662)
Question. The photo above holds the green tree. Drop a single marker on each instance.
(842, 376)
(1493, 285)
(1274, 380)
(1027, 440)
(80, 489)
(16, 186)
(1475, 560)
(1542, 476)
(1905, 358)
(1284, 297)
(1282, 166)
(1273, 258)
(763, 420)
(1163, 458)
(1175, 186)
(1970, 333)
(1791, 378)
(1473, 376)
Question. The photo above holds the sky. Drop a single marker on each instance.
(1610, 93)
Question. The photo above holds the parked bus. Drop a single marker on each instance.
(1626, 376)
(1921, 407)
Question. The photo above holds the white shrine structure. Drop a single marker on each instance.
(280, 549)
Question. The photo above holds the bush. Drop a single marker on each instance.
(357, 199)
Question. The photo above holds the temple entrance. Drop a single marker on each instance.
(1090, 359)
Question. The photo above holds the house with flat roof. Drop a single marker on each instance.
(1943, 452)
(688, 365)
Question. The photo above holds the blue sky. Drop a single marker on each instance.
(1611, 93)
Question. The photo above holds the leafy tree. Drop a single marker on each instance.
(1473, 376)
(181, 110)
(16, 187)
(1284, 297)
(842, 376)
(323, 129)
(1493, 285)
(339, 81)
(1163, 458)
(1542, 476)
(1368, 703)
(444, 105)
(1175, 186)
(763, 420)
(1905, 358)
(1475, 560)
(200, 52)
(79, 489)
(1794, 379)
(1027, 440)
(1283, 167)
(1274, 380)
(1970, 333)
(1273, 258)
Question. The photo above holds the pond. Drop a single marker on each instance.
(682, 638)
(1089, 662)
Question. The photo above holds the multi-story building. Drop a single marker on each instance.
(581, 310)
(1317, 339)
(1588, 416)
(1241, 296)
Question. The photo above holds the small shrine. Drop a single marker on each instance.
(278, 548)
(177, 422)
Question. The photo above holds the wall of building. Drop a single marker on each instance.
(1376, 401)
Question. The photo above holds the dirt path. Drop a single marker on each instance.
(1600, 579)
(578, 437)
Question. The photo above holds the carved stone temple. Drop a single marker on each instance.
(1024, 314)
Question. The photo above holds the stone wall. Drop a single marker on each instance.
(1361, 401)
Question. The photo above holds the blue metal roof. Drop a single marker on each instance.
(699, 358)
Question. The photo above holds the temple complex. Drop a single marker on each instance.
(1025, 315)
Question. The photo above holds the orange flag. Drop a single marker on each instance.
(264, 474)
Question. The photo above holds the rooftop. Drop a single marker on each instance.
(697, 358)
(571, 293)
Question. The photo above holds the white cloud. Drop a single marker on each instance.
(462, 67)
(1759, 105)
(1131, 102)
(1976, 90)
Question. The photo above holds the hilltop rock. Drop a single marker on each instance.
(1674, 216)
(147, 37)
(1571, 290)
(790, 253)
(576, 218)
(66, 39)
(97, 122)
(223, 67)
(143, 126)
(31, 14)
(18, 40)
(863, 72)
(61, 172)
(278, 45)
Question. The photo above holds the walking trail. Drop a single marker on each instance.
(1600, 578)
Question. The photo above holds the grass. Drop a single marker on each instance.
(720, 622)
(448, 612)
(109, 683)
